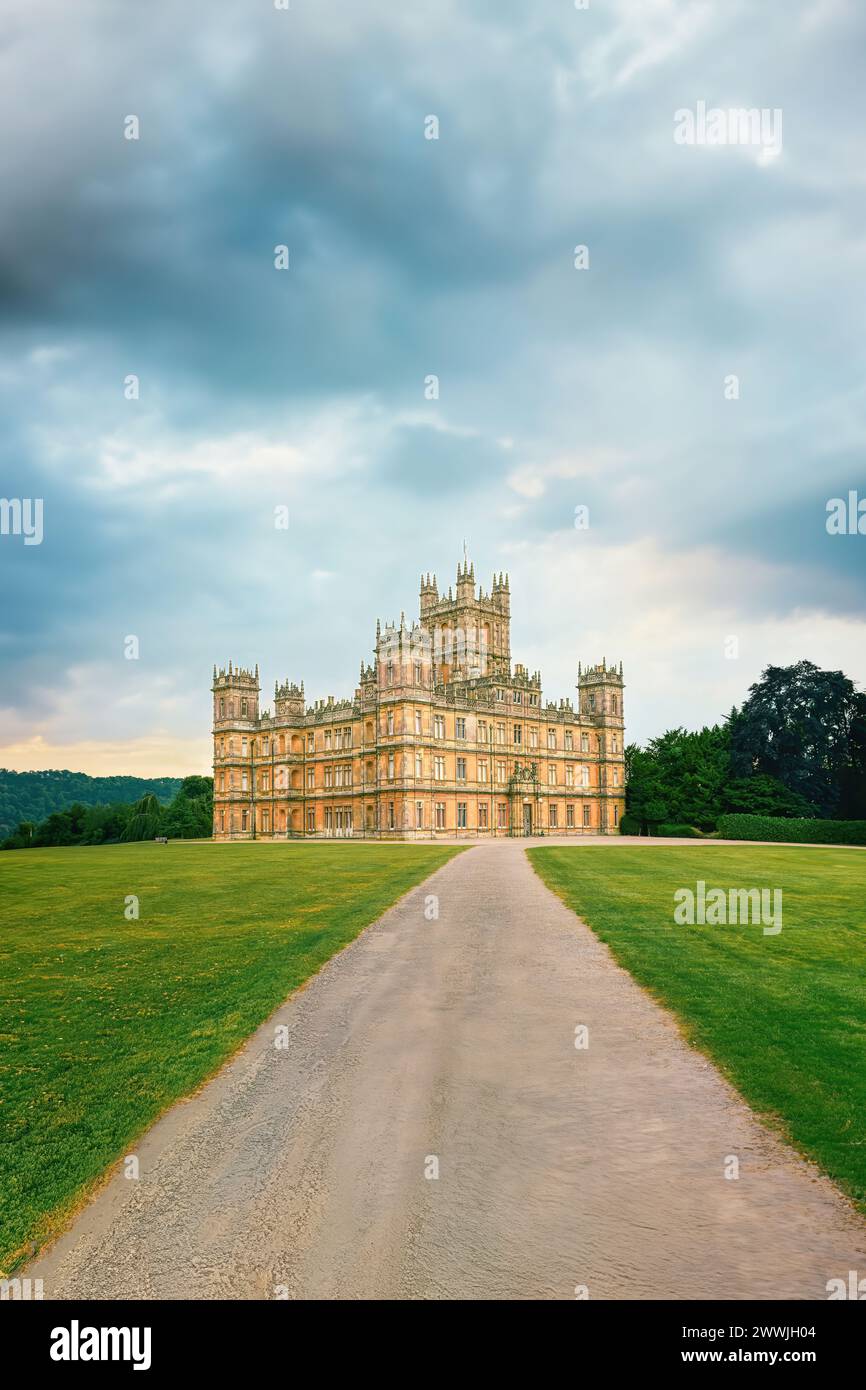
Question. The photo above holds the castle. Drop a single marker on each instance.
(443, 738)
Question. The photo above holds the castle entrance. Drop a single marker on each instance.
(527, 818)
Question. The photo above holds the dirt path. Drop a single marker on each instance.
(301, 1171)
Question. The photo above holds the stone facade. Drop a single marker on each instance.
(442, 739)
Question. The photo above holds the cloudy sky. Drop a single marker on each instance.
(559, 387)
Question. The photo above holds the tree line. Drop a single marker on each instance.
(188, 816)
(32, 796)
(796, 747)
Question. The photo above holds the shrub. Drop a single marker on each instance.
(629, 824)
(679, 832)
(793, 830)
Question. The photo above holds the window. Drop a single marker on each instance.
(482, 815)
(500, 771)
(533, 738)
(613, 744)
(569, 741)
(417, 672)
(389, 722)
(419, 815)
(502, 814)
(592, 702)
(461, 769)
(311, 821)
(329, 776)
(482, 769)
(440, 815)
(390, 673)
(243, 748)
(311, 743)
(391, 767)
(461, 815)
(439, 769)
(616, 815)
(569, 775)
(518, 733)
(517, 697)
(551, 738)
(266, 822)
(459, 728)
(417, 721)
(500, 733)
(327, 739)
(243, 820)
(533, 699)
(586, 815)
(391, 821)
(439, 726)
(584, 776)
(311, 777)
(569, 817)
(243, 709)
(553, 815)
(222, 820)
(419, 765)
(551, 774)
(244, 781)
(584, 743)
(482, 731)
(616, 777)
(613, 711)
(222, 709)
(264, 781)
(347, 738)
(500, 694)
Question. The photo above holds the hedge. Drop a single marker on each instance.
(678, 832)
(793, 830)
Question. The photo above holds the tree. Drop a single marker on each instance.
(144, 823)
(806, 728)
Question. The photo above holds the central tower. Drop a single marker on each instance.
(470, 632)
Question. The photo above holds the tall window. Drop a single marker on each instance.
(554, 817)
(502, 814)
(419, 815)
(311, 821)
(586, 810)
(391, 766)
(461, 769)
(417, 672)
(419, 765)
(482, 815)
(390, 721)
(439, 769)
(551, 774)
(439, 726)
(440, 815)
(569, 817)
(500, 771)
(569, 741)
(460, 728)
(518, 733)
(613, 711)
(482, 769)
(584, 743)
(461, 815)
(391, 821)
(417, 721)
(551, 738)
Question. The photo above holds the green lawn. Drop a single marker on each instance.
(104, 1022)
(784, 1016)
